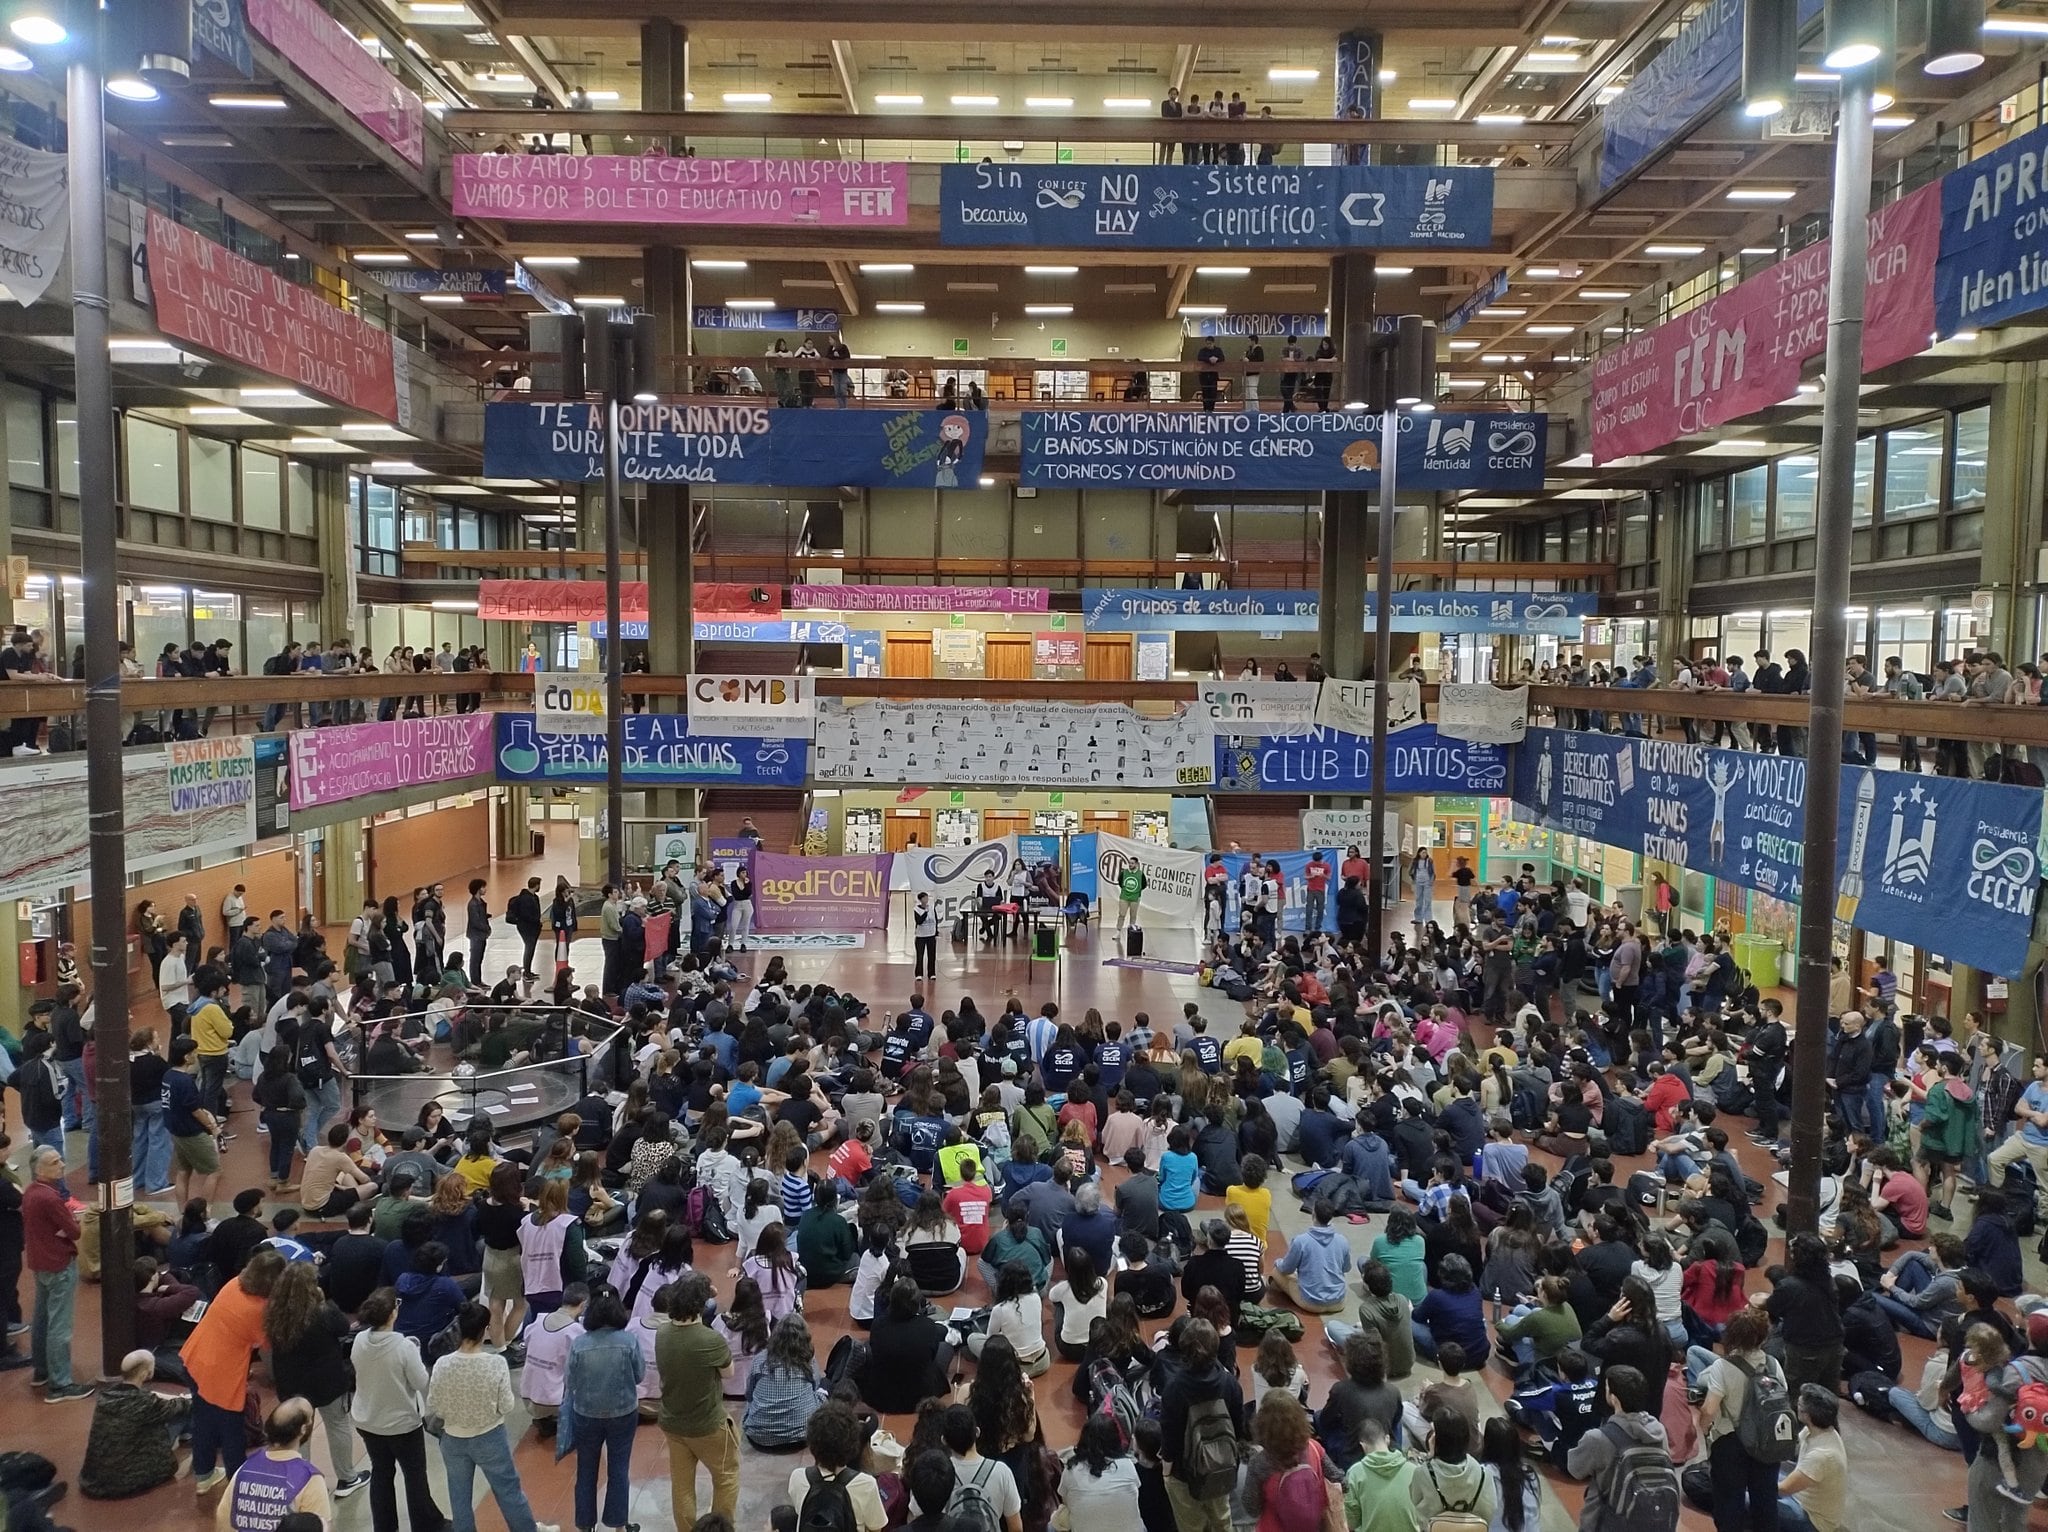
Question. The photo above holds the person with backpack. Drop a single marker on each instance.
(1747, 1421)
(1100, 1489)
(985, 1497)
(1631, 1485)
(1451, 1490)
(833, 1495)
(1285, 1484)
(1201, 1417)
(1811, 1497)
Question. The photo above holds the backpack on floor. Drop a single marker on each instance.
(2021, 1189)
(1626, 1125)
(1645, 1188)
(849, 1355)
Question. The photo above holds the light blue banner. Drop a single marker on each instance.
(1419, 760)
(660, 751)
(1244, 326)
(1994, 238)
(741, 630)
(1081, 875)
(1563, 613)
(1946, 863)
(472, 281)
(716, 316)
(1485, 295)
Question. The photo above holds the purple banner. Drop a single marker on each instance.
(918, 598)
(354, 760)
(820, 893)
(328, 54)
(653, 188)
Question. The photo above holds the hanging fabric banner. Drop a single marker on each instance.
(35, 199)
(1483, 714)
(1258, 707)
(766, 707)
(1173, 879)
(820, 893)
(950, 874)
(1347, 705)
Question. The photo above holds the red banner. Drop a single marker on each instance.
(1742, 352)
(211, 297)
(583, 600)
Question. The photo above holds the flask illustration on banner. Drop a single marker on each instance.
(519, 754)
(1850, 894)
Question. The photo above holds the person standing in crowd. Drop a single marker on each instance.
(694, 1361)
(471, 1391)
(309, 1360)
(523, 913)
(1201, 1420)
(388, 1410)
(601, 1390)
(50, 1231)
(477, 928)
(925, 932)
(216, 1356)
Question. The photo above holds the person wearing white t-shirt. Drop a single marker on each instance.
(834, 1439)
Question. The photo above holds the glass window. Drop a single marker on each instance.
(1790, 629)
(466, 534)
(72, 618)
(298, 501)
(24, 437)
(159, 616)
(67, 446)
(381, 516)
(1747, 496)
(152, 465)
(1912, 472)
(213, 479)
(262, 491)
(1905, 633)
(1635, 531)
(1710, 526)
(1972, 451)
(1742, 633)
(306, 621)
(265, 625)
(1798, 480)
(1866, 481)
(218, 614)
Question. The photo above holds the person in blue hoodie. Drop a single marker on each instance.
(1312, 1271)
(1368, 1161)
(428, 1298)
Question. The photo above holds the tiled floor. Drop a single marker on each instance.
(1900, 1483)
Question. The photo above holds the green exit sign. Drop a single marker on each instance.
(1057, 800)
(960, 152)
(1059, 622)
(955, 798)
(957, 619)
(1059, 347)
(959, 345)
(1065, 156)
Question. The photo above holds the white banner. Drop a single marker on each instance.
(1347, 705)
(35, 219)
(1173, 879)
(1339, 829)
(568, 702)
(1023, 744)
(1483, 714)
(766, 707)
(950, 874)
(1258, 707)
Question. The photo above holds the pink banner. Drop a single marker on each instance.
(354, 760)
(1742, 352)
(820, 893)
(327, 53)
(918, 598)
(653, 188)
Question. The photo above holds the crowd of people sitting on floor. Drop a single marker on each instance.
(1539, 1189)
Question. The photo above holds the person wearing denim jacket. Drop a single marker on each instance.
(602, 1392)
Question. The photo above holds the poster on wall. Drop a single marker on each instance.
(1057, 656)
(863, 651)
(1482, 713)
(957, 653)
(1155, 656)
(1348, 705)
(1173, 879)
(1035, 744)
(1946, 863)
(570, 702)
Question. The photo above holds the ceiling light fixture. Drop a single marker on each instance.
(1462, 345)
(381, 258)
(1604, 294)
(706, 265)
(601, 303)
(1126, 103)
(899, 100)
(1760, 194)
(1394, 271)
(246, 103)
(1050, 271)
(1500, 119)
(1551, 329)
(444, 299)
(1048, 310)
(747, 98)
(761, 304)
(1049, 103)
(906, 306)
(1432, 104)
(1501, 313)
(131, 87)
(1202, 310)
(1292, 75)
(1674, 250)
(1856, 32)
(982, 101)
(886, 268)
(1223, 271)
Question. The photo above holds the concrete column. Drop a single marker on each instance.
(664, 69)
(14, 999)
(1347, 547)
(1674, 573)
(510, 807)
(346, 849)
(2016, 479)
(333, 521)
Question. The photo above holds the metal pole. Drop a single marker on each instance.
(1819, 907)
(1382, 674)
(107, 874)
(614, 649)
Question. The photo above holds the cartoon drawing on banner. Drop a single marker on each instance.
(1546, 771)
(1720, 777)
(1849, 891)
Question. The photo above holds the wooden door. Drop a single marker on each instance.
(903, 828)
(907, 654)
(1109, 656)
(1006, 656)
(1108, 824)
(996, 823)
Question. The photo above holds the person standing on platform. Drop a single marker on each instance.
(925, 931)
(610, 915)
(1130, 888)
(523, 911)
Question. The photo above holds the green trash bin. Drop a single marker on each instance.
(1757, 956)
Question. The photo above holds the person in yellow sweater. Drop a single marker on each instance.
(215, 1033)
(1254, 1196)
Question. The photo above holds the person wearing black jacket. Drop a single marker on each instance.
(477, 927)
(524, 912)
(1765, 1054)
(1351, 911)
(1195, 1378)
(354, 1262)
(234, 1240)
(1849, 1070)
(1628, 1334)
(910, 1357)
(13, 1243)
(307, 1338)
(1217, 1267)
(1413, 1139)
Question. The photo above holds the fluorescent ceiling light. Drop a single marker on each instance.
(820, 284)
(886, 268)
(436, 8)
(601, 95)
(1555, 60)
(421, 237)
(371, 428)
(987, 480)
(1500, 119)
(1432, 104)
(1202, 310)
(601, 303)
(381, 258)
(1661, 249)
(1497, 358)
(1466, 383)
(2016, 26)
(1049, 309)
(1604, 294)
(214, 409)
(974, 287)
(1126, 103)
(169, 140)
(395, 465)
(1498, 313)
(1048, 271)
(452, 604)
(317, 443)
(570, 260)
(904, 307)
(1758, 250)
(274, 395)
(139, 343)
(750, 303)
(747, 98)
(899, 100)
(444, 299)
(1551, 329)
(984, 101)
(1890, 122)
(247, 103)
(1049, 103)
(1223, 271)
(1292, 75)
(1130, 287)
(1463, 345)
(1760, 194)
(1542, 272)
(1394, 271)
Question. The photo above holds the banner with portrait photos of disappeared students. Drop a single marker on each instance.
(1036, 744)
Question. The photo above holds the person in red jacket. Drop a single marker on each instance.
(1666, 1094)
(50, 1231)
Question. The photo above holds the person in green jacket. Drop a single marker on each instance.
(1377, 1497)
(1948, 1128)
(1546, 1329)
(824, 1240)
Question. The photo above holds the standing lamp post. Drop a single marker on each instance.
(1401, 379)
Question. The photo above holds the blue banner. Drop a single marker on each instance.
(1419, 760)
(1081, 874)
(471, 281)
(1946, 863)
(1034, 849)
(1357, 81)
(742, 630)
(738, 444)
(1695, 74)
(1295, 450)
(1994, 238)
(1562, 613)
(1223, 326)
(1485, 295)
(1217, 207)
(709, 316)
(660, 752)
(534, 288)
(222, 29)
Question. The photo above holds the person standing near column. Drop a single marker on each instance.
(523, 911)
(925, 930)
(50, 1228)
(694, 1361)
(478, 929)
(610, 916)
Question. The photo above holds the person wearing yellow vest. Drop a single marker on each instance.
(215, 1034)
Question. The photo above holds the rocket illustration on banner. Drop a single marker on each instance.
(1850, 894)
